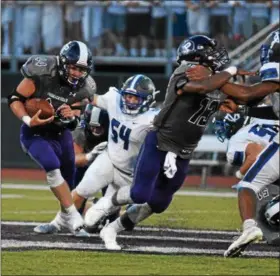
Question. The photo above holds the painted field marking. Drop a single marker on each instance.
(181, 193)
(151, 229)
(7, 244)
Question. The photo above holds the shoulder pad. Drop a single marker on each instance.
(90, 87)
(270, 72)
(37, 66)
(182, 68)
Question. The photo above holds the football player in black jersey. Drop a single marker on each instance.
(163, 160)
(64, 80)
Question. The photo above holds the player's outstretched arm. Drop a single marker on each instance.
(249, 93)
(208, 84)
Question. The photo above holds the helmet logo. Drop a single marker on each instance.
(189, 45)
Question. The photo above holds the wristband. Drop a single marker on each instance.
(231, 70)
(239, 175)
(26, 119)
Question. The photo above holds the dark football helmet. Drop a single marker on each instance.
(96, 121)
(75, 53)
(203, 50)
(143, 88)
(271, 213)
(225, 127)
(270, 50)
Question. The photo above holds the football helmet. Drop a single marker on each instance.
(270, 50)
(201, 49)
(225, 127)
(143, 88)
(271, 213)
(77, 54)
(96, 121)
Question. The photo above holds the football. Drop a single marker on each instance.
(33, 105)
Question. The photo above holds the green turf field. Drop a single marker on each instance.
(55, 262)
(194, 212)
(184, 212)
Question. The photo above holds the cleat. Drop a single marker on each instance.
(250, 235)
(81, 233)
(109, 236)
(93, 217)
(50, 228)
(46, 228)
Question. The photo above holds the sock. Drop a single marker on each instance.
(248, 223)
(117, 225)
(71, 209)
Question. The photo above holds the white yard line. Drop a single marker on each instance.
(151, 249)
(151, 229)
(182, 193)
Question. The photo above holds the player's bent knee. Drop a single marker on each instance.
(247, 185)
(54, 178)
(138, 197)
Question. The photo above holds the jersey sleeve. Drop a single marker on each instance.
(270, 72)
(38, 66)
(104, 101)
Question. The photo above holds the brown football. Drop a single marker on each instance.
(33, 105)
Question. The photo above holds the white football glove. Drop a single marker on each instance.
(169, 166)
(96, 151)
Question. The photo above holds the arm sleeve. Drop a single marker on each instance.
(270, 72)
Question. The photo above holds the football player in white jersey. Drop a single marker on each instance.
(130, 119)
(267, 162)
(247, 138)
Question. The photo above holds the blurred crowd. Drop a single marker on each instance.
(128, 28)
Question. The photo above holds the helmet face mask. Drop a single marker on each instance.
(226, 127)
(137, 95)
(203, 50)
(96, 121)
(75, 63)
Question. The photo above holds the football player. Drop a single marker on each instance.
(265, 169)
(163, 161)
(65, 81)
(90, 139)
(130, 118)
(245, 141)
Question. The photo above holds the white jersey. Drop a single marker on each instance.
(259, 131)
(271, 72)
(126, 132)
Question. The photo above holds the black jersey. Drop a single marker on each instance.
(182, 119)
(43, 70)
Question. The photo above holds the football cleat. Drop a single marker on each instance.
(250, 235)
(109, 237)
(46, 228)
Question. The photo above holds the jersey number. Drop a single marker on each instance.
(264, 130)
(207, 108)
(120, 131)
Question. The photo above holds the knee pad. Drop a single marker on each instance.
(54, 178)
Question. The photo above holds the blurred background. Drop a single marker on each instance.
(128, 37)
